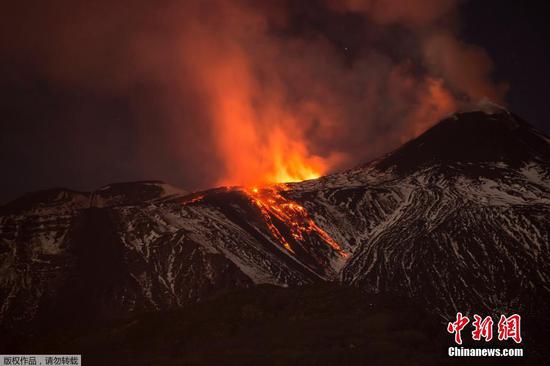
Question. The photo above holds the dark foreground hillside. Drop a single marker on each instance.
(319, 324)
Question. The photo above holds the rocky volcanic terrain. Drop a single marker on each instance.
(457, 219)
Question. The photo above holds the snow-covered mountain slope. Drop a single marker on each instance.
(459, 218)
(42, 248)
(110, 259)
(458, 242)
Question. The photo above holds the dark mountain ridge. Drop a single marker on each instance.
(472, 138)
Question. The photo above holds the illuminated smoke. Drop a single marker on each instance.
(233, 92)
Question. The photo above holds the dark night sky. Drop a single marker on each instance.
(60, 131)
(515, 33)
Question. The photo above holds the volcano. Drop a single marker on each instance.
(457, 219)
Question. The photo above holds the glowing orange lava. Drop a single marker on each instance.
(272, 204)
(193, 199)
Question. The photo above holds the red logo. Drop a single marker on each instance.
(483, 329)
(508, 328)
(457, 327)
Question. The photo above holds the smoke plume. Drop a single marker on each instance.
(252, 92)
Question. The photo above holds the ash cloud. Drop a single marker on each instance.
(231, 92)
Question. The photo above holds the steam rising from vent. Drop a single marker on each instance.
(240, 92)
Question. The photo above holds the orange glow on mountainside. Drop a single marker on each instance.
(273, 205)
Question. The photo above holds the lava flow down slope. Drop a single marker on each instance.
(458, 218)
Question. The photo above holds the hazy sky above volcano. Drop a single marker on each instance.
(201, 93)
